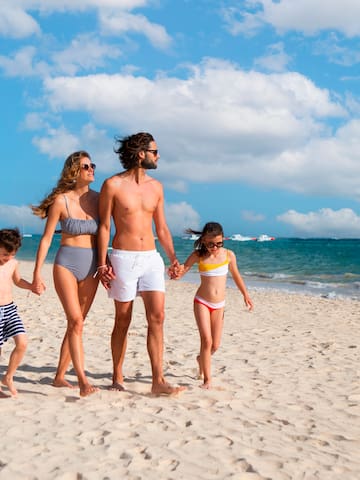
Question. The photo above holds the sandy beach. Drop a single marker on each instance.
(285, 402)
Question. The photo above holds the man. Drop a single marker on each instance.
(134, 200)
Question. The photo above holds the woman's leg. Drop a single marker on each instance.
(76, 298)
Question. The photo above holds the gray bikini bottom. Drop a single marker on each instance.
(81, 262)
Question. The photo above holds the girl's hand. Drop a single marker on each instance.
(248, 302)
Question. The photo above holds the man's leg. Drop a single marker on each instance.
(123, 312)
(155, 313)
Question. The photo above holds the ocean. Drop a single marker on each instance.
(319, 266)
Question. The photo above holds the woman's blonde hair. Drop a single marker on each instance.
(66, 182)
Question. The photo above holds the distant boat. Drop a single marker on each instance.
(241, 238)
(27, 235)
(264, 238)
(193, 237)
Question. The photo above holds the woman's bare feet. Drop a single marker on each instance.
(61, 382)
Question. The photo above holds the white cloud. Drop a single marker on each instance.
(180, 216)
(275, 59)
(15, 22)
(83, 53)
(326, 222)
(252, 216)
(59, 142)
(306, 16)
(23, 64)
(20, 217)
(46, 6)
(267, 130)
(122, 22)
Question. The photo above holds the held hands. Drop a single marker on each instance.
(175, 271)
(105, 274)
(38, 287)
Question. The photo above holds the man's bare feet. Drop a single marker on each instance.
(166, 389)
(117, 387)
(87, 390)
(61, 382)
(9, 383)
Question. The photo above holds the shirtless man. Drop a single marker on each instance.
(134, 200)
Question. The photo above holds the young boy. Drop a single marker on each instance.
(10, 322)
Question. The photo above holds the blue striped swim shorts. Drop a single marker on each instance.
(10, 322)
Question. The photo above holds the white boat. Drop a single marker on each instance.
(27, 235)
(264, 238)
(192, 237)
(241, 238)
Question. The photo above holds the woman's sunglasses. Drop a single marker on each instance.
(86, 166)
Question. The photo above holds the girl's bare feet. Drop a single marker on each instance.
(87, 390)
(9, 383)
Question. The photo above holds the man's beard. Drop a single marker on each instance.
(148, 164)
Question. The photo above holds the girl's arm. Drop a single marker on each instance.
(239, 282)
(189, 262)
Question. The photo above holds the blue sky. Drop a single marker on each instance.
(254, 106)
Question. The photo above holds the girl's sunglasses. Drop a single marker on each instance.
(213, 244)
(86, 166)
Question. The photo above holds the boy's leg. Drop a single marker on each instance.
(15, 359)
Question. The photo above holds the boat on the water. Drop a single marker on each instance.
(237, 237)
(264, 238)
(192, 237)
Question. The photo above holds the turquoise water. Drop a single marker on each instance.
(326, 267)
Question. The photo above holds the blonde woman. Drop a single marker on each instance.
(75, 206)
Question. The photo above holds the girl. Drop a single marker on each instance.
(75, 206)
(213, 261)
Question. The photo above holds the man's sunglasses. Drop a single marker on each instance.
(154, 152)
(86, 166)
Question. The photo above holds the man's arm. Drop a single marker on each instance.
(162, 230)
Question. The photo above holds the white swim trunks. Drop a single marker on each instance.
(136, 272)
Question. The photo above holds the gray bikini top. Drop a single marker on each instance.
(76, 226)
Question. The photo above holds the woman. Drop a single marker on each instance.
(75, 206)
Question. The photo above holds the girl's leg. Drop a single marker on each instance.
(202, 316)
(217, 322)
(76, 298)
(15, 359)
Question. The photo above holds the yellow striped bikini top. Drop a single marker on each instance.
(214, 269)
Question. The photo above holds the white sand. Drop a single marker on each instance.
(285, 402)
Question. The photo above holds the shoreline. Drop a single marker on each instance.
(285, 404)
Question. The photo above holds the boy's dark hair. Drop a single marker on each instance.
(10, 239)
(128, 148)
(212, 229)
